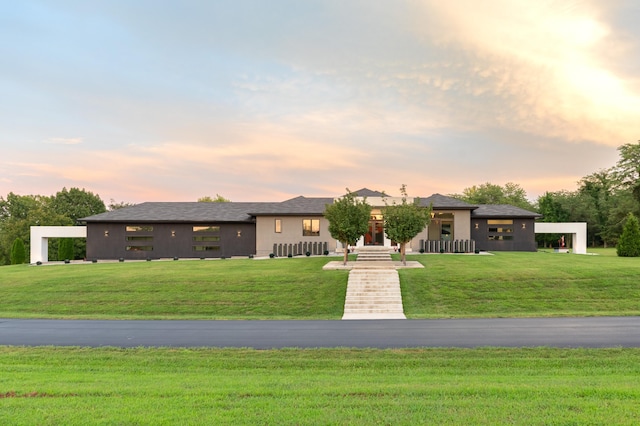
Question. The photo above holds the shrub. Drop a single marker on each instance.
(629, 243)
(65, 249)
(18, 253)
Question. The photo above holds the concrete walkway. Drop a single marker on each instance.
(373, 289)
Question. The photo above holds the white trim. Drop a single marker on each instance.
(578, 230)
(40, 236)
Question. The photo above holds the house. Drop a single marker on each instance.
(293, 227)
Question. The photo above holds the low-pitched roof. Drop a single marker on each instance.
(503, 210)
(366, 192)
(443, 202)
(179, 212)
(295, 206)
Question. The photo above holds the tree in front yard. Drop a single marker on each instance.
(629, 243)
(348, 219)
(404, 221)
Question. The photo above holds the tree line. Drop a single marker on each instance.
(19, 212)
(604, 200)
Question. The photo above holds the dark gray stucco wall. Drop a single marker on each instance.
(169, 240)
(523, 236)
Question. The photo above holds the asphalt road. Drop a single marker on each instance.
(594, 332)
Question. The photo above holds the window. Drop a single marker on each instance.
(500, 222)
(139, 228)
(310, 227)
(206, 229)
(278, 226)
(206, 248)
(211, 238)
(500, 237)
(507, 230)
(139, 238)
(139, 248)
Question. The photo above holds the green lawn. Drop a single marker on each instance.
(486, 386)
(522, 284)
(500, 285)
(77, 386)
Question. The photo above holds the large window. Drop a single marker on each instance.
(206, 248)
(139, 248)
(207, 238)
(139, 228)
(310, 227)
(206, 228)
(500, 233)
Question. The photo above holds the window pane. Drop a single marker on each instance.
(311, 227)
(139, 238)
(139, 228)
(139, 248)
(206, 229)
(212, 238)
(206, 248)
(278, 226)
(500, 222)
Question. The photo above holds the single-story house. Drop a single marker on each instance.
(295, 226)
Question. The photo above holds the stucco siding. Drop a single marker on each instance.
(290, 233)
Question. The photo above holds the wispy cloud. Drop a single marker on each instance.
(64, 141)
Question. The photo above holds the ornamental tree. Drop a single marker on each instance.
(629, 243)
(404, 221)
(348, 219)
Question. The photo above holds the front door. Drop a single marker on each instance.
(375, 234)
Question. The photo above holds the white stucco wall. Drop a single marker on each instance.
(40, 236)
(291, 233)
(578, 230)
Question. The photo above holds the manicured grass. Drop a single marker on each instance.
(499, 285)
(294, 288)
(77, 386)
(521, 284)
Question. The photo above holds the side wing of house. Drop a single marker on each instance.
(503, 228)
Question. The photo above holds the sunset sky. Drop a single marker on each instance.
(147, 100)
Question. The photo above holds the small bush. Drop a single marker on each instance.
(65, 249)
(18, 253)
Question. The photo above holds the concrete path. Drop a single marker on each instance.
(373, 289)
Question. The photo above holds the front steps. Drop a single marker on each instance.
(373, 289)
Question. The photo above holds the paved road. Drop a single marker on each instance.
(466, 333)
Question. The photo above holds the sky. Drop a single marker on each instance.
(149, 100)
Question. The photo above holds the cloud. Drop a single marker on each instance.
(64, 141)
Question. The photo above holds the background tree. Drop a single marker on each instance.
(551, 208)
(219, 199)
(348, 219)
(75, 204)
(627, 169)
(65, 249)
(116, 205)
(18, 252)
(629, 244)
(404, 221)
(488, 193)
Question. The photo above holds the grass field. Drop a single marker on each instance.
(487, 386)
(76, 386)
(501, 285)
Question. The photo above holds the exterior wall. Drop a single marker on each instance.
(109, 241)
(41, 234)
(291, 233)
(522, 237)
